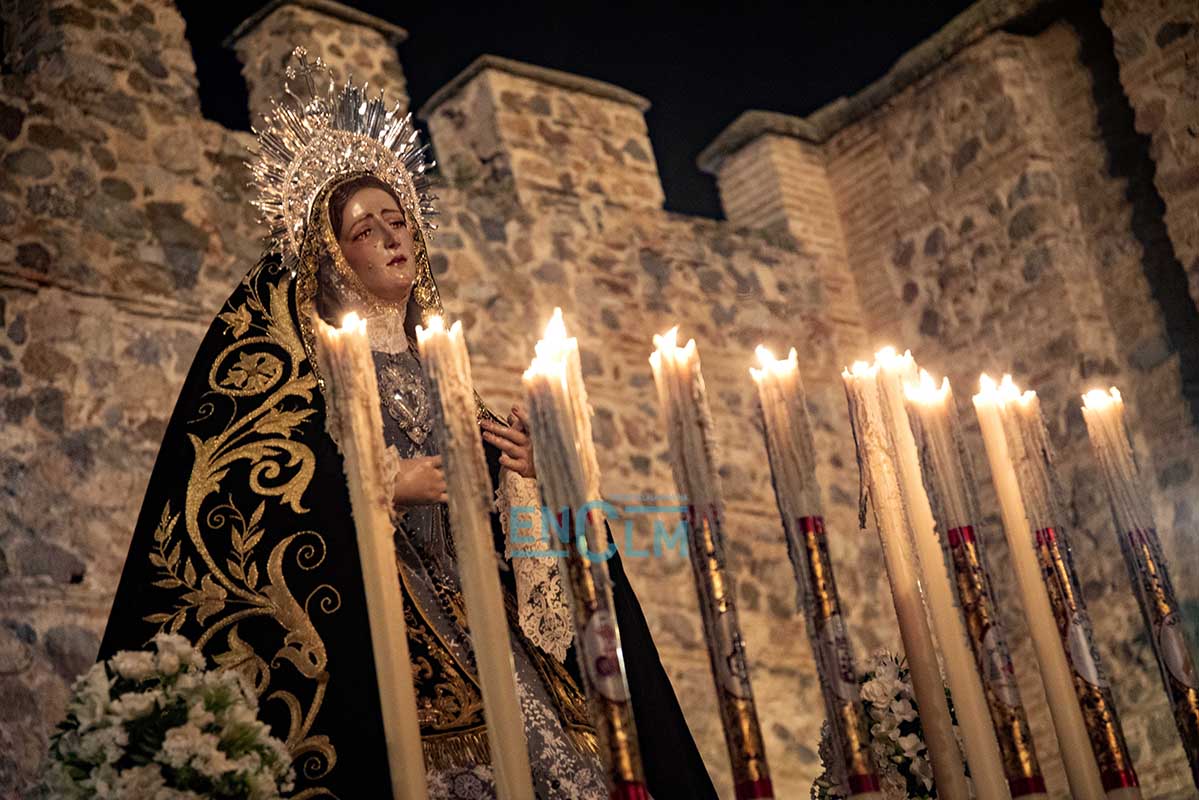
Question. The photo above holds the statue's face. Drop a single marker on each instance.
(377, 243)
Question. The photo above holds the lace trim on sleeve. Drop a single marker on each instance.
(391, 470)
(543, 609)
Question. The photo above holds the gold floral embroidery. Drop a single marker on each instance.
(269, 372)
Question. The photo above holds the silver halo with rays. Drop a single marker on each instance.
(315, 132)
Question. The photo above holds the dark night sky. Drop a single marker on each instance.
(699, 64)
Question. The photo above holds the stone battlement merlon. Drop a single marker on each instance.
(391, 32)
(965, 29)
(552, 77)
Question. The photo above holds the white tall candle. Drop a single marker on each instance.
(965, 684)
(683, 401)
(1033, 455)
(568, 475)
(468, 486)
(1082, 770)
(1146, 563)
(355, 418)
(876, 453)
(792, 456)
(949, 476)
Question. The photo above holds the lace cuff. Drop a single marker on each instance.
(391, 470)
(543, 610)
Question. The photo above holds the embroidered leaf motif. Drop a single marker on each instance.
(253, 372)
(252, 576)
(281, 423)
(242, 658)
(210, 599)
(237, 320)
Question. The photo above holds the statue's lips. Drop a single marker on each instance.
(397, 261)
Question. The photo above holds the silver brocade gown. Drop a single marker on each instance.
(559, 770)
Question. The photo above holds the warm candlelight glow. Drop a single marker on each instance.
(777, 366)
(1098, 400)
(435, 325)
(1002, 393)
(860, 369)
(551, 352)
(890, 358)
(927, 392)
(350, 323)
(667, 345)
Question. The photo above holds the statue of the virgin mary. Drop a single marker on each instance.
(245, 541)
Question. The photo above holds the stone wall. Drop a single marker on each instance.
(990, 205)
(1157, 44)
(999, 213)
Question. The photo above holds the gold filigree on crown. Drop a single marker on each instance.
(315, 132)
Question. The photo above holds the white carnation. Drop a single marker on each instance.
(91, 700)
(140, 781)
(878, 692)
(903, 710)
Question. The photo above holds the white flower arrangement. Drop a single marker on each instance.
(896, 739)
(160, 726)
(897, 746)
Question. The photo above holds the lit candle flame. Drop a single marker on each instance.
(778, 366)
(1003, 393)
(890, 359)
(927, 392)
(351, 323)
(551, 351)
(667, 345)
(860, 369)
(434, 325)
(1097, 399)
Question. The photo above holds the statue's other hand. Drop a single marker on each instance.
(516, 448)
(419, 481)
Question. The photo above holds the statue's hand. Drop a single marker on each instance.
(516, 449)
(419, 481)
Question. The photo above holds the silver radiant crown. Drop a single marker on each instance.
(315, 132)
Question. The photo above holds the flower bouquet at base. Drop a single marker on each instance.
(160, 726)
(897, 746)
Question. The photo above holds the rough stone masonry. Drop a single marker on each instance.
(1020, 193)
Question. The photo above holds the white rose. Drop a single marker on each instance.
(168, 663)
(134, 705)
(136, 665)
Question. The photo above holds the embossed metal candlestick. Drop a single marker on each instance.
(1028, 442)
(468, 486)
(1104, 415)
(949, 476)
(792, 457)
(684, 403)
(876, 454)
(355, 420)
(568, 476)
